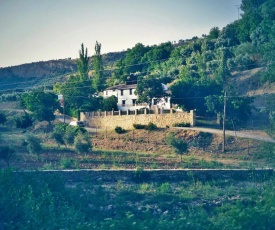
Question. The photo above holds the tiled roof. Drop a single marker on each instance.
(119, 87)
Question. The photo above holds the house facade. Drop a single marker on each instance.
(127, 99)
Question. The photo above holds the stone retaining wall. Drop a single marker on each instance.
(127, 121)
(130, 176)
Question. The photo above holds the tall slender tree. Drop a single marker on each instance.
(83, 63)
(98, 80)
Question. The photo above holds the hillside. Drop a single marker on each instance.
(38, 72)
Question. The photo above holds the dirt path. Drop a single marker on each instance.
(261, 136)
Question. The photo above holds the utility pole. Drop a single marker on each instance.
(63, 109)
(238, 7)
(223, 123)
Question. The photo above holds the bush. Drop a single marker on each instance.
(139, 126)
(24, 121)
(151, 126)
(68, 163)
(119, 130)
(181, 124)
(179, 146)
(83, 143)
(33, 144)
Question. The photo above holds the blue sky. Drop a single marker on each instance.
(40, 30)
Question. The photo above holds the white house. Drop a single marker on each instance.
(127, 98)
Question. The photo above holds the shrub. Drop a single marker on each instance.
(58, 133)
(58, 138)
(119, 130)
(151, 126)
(165, 188)
(24, 121)
(179, 146)
(83, 143)
(139, 126)
(70, 135)
(67, 163)
(33, 144)
(181, 124)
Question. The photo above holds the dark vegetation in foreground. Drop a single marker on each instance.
(49, 203)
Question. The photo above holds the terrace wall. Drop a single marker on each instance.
(130, 176)
(126, 119)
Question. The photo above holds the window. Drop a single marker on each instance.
(123, 102)
(155, 101)
(121, 92)
(131, 91)
(134, 101)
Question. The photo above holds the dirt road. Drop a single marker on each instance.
(261, 136)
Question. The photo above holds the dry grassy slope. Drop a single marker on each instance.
(154, 141)
(248, 83)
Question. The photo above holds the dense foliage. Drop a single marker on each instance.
(35, 202)
(41, 104)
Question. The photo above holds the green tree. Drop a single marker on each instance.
(83, 63)
(238, 109)
(83, 143)
(179, 145)
(77, 90)
(213, 33)
(41, 104)
(251, 19)
(70, 134)
(98, 79)
(33, 144)
(77, 94)
(191, 95)
(148, 88)
(157, 53)
(118, 76)
(109, 103)
(91, 104)
(59, 133)
(228, 36)
(223, 74)
(263, 37)
(133, 58)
